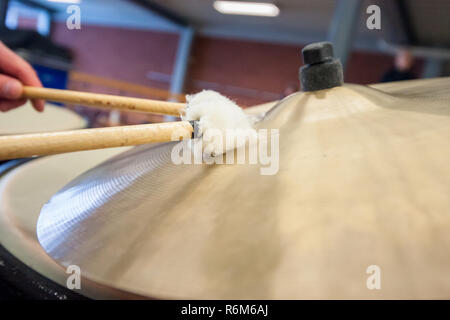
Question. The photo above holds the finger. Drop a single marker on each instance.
(10, 88)
(17, 67)
(38, 104)
(6, 105)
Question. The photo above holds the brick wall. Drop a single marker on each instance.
(122, 54)
(250, 72)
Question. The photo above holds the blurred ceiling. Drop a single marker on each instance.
(424, 23)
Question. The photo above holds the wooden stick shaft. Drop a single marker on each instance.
(27, 145)
(104, 100)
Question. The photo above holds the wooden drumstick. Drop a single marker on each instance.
(28, 145)
(104, 100)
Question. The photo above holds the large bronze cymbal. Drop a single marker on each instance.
(363, 180)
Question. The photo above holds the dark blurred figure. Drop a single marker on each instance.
(402, 68)
(292, 88)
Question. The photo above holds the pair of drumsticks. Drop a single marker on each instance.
(27, 145)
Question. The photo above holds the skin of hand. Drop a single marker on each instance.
(15, 72)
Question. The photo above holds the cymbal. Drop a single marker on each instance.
(27, 120)
(416, 88)
(363, 179)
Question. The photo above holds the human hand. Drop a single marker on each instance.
(14, 73)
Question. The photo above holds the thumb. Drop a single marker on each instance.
(10, 88)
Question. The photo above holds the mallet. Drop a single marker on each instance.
(104, 100)
(207, 109)
(39, 144)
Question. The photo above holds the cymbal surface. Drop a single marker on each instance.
(27, 120)
(363, 180)
(437, 87)
(36, 181)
